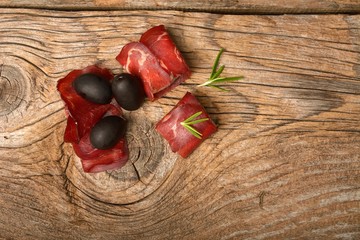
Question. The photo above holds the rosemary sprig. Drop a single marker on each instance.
(215, 75)
(187, 124)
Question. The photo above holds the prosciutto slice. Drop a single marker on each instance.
(82, 115)
(156, 60)
(180, 140)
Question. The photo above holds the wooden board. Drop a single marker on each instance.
(285, 162)
(227, 6)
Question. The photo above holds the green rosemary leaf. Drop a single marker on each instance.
(226, 79)
(220, 88)
(187, 124)
(207, 83)
(210, 82)
(192, 117)
(215, 75)
(197, 121)
(216, 63)
(218, 72)
(194, 132)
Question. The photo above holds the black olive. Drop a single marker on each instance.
(93, 88)
(128, 91)
(107, 132)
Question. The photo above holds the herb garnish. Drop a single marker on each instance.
(190, 121)
(215, 75)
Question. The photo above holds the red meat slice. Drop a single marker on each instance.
(158, 40)
(139, 61)
(82, 116)
(156, 60)
(97, 160)
(84, 113)
(180, 140)
(71, 133)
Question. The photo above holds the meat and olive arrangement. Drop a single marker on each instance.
(94, 99)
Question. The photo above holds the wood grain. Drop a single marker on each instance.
(224, 6)
(284, 164)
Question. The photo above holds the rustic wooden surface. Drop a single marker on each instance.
(234, 6)
(285, 163)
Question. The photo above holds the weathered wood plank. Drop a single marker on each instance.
(228, 6)
(285, 162)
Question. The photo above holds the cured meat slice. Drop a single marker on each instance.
(158, 40)
(139, 61)
(155, 60)
(84, 114)
(97, 160)
(71, 133)
(179, 138)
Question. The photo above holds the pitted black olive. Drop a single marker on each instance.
(128, 91)
(93, 88)
(107, 132)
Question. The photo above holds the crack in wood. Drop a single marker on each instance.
(261, 199)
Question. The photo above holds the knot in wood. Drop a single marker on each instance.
(150, 162)
(12, 89)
